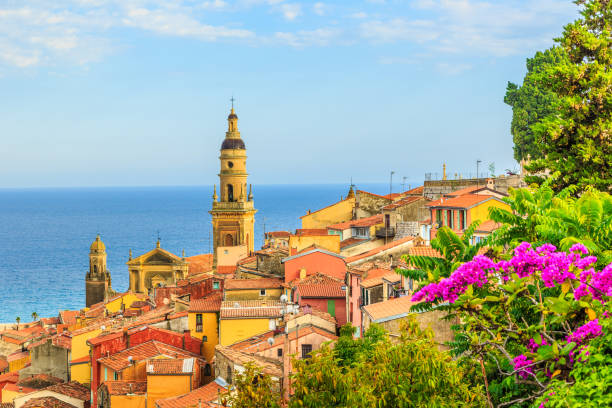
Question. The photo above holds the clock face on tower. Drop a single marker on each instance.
(230, 164)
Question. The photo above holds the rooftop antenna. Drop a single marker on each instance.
(404, 183)
(477, 168)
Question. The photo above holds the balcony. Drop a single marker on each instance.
(234, 205)
(385, 232)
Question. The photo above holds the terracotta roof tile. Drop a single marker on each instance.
(370, 282)
(46, 402)
(18, 388)
(320, 286)
(351, 241)
(211, 303)
(144, 351)
(362, 222)
(207, 393)
(393, 307)
(50, 320)
(39, 381)
(278, 234)
(251, 309)
(72, 389)
(372, 194)
(378, 250)
(200, 263)
(11, 377)
(263, 283)
(171, 366)
(488, 226)
(17, 355)
(226, 269)
(69, 316)
(260, 343)
(119, 387)
(424, 251)
(307, 232)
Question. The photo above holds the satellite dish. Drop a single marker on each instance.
(130, 359)
(236, 304)
(271, 341)
(283, 298)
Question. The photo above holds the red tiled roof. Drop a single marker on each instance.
(416, 190)
(262, 283)
(69, 316)
(200, 263)
(251, 309)
(351, 241)
(320, 286)
(378, 250)
(72, 389)
(171, 366)
(39, 381)
(207, 393)
(278, 234)
(211, 303)
(119, 387)
(389, 308)
(144, 351)
(378, 280)
(18, 388)
(362, 222)
(11, 377)
(260, 343)
(84, 359)
(17, 355)
(308, 232)
(46, 402)
(50, 320)
(372, 194)
(267, 366)
(226, 269)
(424, 251)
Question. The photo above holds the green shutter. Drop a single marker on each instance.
(331, 307)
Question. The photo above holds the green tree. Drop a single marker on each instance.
(577, 140)
(18, 319)
(252, 389)
(34, 316)
(531, 103)
(408, 372)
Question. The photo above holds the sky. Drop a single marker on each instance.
(137, 92)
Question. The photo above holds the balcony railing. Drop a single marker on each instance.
(236, 205)
(385, 232)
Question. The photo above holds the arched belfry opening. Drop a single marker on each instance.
(229, 240)
(230, 193)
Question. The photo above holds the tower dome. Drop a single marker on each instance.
(97, 245)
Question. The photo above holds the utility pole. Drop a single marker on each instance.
(391, 184)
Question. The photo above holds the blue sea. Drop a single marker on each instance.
(45, 234)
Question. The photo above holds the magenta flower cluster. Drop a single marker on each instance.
(533, 346)
(521, 361)
(470, 273)
(555, 268)
(585, 332)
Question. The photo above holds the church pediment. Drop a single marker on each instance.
(157, 256)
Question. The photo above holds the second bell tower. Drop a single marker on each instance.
(233, 213)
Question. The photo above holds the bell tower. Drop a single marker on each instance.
(233, 213)
(97, 279)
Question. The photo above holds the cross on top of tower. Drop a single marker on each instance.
(232, 100)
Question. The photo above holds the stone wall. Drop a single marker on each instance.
(368, 205)
(271, 263)
(48, 359)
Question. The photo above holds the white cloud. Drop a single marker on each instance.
(319, 8)
(477, 27)
(291, 10)
(359, 15)
(303, 38)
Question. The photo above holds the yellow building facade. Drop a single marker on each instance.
(157, 267)
(80, 365)
(333, 214)
(235, 330)
(166, 386)
(330, 242)
(208, 330)
(233, 212)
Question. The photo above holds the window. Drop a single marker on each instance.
(262, 292)
(116, 376)
(229, 375)
(199, 323)
(204, 339)
(306, 350)
(449, 222)
(360, 232)
(215, 284)
(207, 370)
(331, 307)
(439, 218)
(279, 352)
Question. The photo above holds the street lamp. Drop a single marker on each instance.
(477, 177)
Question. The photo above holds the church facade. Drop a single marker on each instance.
(233, 212)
